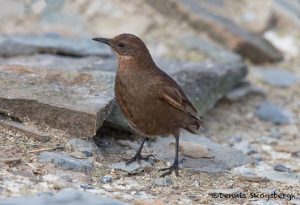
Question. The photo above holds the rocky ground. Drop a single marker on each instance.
(248, 153)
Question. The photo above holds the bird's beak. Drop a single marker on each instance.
(102, 40)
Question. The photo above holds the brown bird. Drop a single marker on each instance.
(152, 102)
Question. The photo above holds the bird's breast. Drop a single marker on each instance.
(129, 94)
(134, 99)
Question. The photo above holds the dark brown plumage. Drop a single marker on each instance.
(152, 102)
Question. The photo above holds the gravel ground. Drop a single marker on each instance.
(229, 123)
(228, 120)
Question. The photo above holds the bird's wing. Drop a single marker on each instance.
(176, 98)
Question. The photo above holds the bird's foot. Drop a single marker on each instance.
(138, 157)
(174, 168)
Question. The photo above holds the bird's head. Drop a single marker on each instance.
(125, 45)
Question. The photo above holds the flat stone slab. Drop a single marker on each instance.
(66, 197)
(60, 86)
(221, 29)
(225, 157)
(63, 63)
(27, 45)
(75, 102)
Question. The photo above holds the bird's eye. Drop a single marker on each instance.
(121, 45)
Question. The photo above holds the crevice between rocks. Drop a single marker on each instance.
(6, 116)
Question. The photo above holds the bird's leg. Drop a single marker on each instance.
(175, 165)
(138, 157)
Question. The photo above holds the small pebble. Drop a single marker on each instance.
(257, 157)
(194, 150)
(234, 139)
(269, 140)
(253, 178)
(106, 179)
(82, 145)
(245, 147)
(12, 161)
(275, 133)
(45, 194)
(86, 186)
(295, 201)
(134, 167)
(224, 191)
(196, 184)
(163, 181)
(281, 168)
(297, 154)
(87, 153)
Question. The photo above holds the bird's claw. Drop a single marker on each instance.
(138, 158)
(182, 161)
(170, 170)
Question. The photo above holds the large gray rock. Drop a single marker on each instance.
(76, 95)
(208, 48)
(26, 45)
(225, 157)
(254, 16)
(64, 197)
(63, 63)
(207, 82)
(204, 83)
(219, 28)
